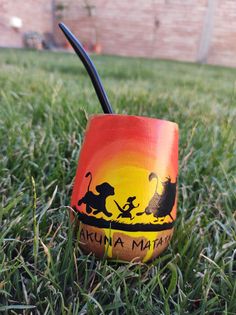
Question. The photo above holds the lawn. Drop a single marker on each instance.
(45, 100)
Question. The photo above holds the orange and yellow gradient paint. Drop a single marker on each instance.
(123, 151)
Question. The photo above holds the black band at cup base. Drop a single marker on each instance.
(115, 225)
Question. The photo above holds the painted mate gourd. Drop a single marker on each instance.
(125, 189)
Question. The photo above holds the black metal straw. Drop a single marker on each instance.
(101, 94)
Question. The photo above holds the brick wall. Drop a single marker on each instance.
(166, 29)
(35, 16)
(203, 30)
(223, 43)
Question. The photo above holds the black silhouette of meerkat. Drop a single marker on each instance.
(161, 205)
(97, 202)
(126, 213)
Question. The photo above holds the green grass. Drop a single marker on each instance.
(45, 99)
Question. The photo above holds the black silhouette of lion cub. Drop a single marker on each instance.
(97, 202)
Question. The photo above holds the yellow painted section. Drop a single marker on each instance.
(132, 181)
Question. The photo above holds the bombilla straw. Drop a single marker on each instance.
(101, 94)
